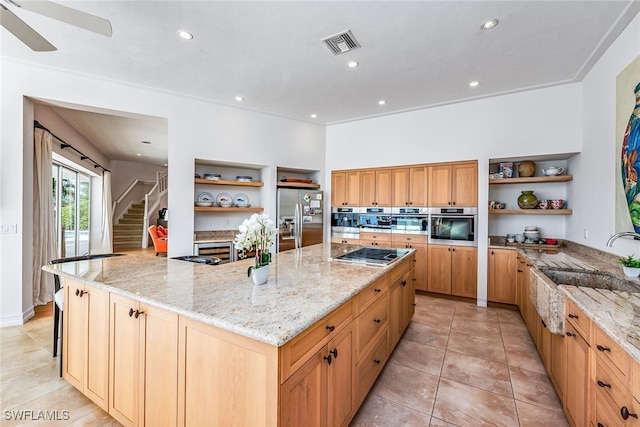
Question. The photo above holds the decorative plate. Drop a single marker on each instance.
(204, 204)
(241, 200)
(224, 200)
(212, 176)
(244, 178)
(205, 197)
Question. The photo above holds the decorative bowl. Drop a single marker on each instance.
(204, 204)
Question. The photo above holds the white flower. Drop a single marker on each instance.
(258, 232)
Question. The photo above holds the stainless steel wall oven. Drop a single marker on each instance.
(410, 220)
(453, 226)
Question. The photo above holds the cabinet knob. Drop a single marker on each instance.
(602, 384)
(328, 359)
(453, 249)
(453, 203)
(624, 412)
(572, 316)
(130, 312)
(138, 313)
(376, 361)
(334, 352)
(377, 290)
(330, 328)
(569, 334)
(519, 271)
(600, 425)
(601, 348)
(544, 325)
(404, 283)
(376, 320)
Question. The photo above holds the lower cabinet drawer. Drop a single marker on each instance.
(607, 414)
(607, 382)
(369, 324)
(370, 366)
(579, 320)
(618, 359)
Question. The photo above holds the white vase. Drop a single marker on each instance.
(260, 274)
(631, 271)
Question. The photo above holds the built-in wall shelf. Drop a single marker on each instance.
(531, 180)
(297, 185)
(530, 211)
(227, 182)
(229, 209)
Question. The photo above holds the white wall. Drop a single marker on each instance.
(595, 168)
(196, 130)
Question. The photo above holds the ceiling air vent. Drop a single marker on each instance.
(341, 42)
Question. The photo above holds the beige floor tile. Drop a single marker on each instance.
(480, 373)
(32, 383)
(534, 388)
(535, 416)
(395, 382)
(482, 346)
(464, 405)
(473, 312)
(95, 418)
(483, 327)
(378, 412)
(427, 335)
(16, 363)
(524, 355)
(418, 356)
(436, 320)
(436, 422)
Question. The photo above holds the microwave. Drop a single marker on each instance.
(453, 226)
(410, 220)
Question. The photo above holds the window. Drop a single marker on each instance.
(71, 198)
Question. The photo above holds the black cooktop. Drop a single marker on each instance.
(373, 256)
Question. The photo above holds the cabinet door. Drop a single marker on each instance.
(338, 188)
(368, 188)
(464, 271)
(160, 356)
(559, 363)
(340, 379)
(352, 190)
(418, 186)
(544, 341)
(97, 346)
(401, 178)
(384, 187)
(124, 366)
(502, 276)
(577, 392)
(75, 331)
(408, 299)
(439, 183)
(465, 185)
(302, 398)
(439, 269)
(421, 270)
(395, 313)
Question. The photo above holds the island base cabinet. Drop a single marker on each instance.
(225, 379)
(321, 392)
(86, 341)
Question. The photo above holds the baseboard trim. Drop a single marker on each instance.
(17, 320)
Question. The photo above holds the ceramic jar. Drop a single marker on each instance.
(526, 169)
(527, 200)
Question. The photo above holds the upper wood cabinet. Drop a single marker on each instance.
(453, 185)
(345, 188)
(375, 187)
(409, 186)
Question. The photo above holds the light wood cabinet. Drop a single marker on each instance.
(345, 188)
(86, 341)
(382, 240)
(409, 186)
(578, 388)
(401, 307)
(452, 185)
(346, 241)
(375, 187)
(453, 270)
(419, 243)
(558, 371)
(501, 284)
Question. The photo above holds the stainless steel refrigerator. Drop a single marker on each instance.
(299, 218)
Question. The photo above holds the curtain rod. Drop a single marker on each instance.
(64, 145)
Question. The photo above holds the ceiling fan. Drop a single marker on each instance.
(35, 41)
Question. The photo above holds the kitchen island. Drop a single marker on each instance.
(166, 342)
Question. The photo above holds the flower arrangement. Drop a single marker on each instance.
(256, 233)
(630, 261)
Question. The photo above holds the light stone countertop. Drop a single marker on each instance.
(304, 285)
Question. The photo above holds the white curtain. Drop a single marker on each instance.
(106, 245)
(44, 229)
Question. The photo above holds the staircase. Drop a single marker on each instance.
(127, 233)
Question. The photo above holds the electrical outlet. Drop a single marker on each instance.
(8, 228)
(586, 233)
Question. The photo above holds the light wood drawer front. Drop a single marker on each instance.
(370, 366)
(610, 384)
(378, 237)
(371, 294)
(408, 238)
(607, 413)
(297, 351)
(370, 323)
(579, 320)
(399, 271)
(348, 241)
(620, 361)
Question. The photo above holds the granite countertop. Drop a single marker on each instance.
(304, 285)
(617, 313)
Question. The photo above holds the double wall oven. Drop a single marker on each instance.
(453, 226)
(345, 223)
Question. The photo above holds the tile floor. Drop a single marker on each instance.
(457, 364)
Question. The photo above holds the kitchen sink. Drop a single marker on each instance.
(590, 279)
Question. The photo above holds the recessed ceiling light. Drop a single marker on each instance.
(474, 83)
(313, 116)
(352, 64)
(145, 142)
(239, 98)
(138, 154)
(487, 25)
(185, 35)
(382, 102)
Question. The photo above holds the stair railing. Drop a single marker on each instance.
(131, 186)
(152, 201)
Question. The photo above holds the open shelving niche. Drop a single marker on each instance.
(512, 219)
(298, 174)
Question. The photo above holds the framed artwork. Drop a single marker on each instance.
(627, 212)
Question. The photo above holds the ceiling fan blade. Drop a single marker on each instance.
(23, 32)
(66, 14)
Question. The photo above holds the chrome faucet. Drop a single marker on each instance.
(623, 234)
